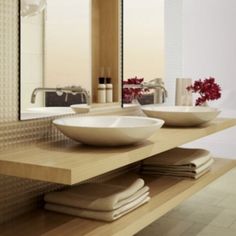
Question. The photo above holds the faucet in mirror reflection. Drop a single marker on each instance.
(160, 93)
(182, 96)
(32, 7)
(74, 90)
(155, 91)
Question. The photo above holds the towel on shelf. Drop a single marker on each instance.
(98, 196)
(100, 215)
(180, 169)
(192, 158)
(177, 174)
(180, 162)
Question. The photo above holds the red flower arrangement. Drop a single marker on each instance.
(208, 90)
(133, 93)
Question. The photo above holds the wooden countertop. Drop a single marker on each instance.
(70, 163)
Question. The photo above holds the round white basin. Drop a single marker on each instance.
(181, 115)
(108, 130)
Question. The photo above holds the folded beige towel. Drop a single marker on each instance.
(192, 158)
(100, 215)
(98, 196)
(179, 169)
(178, 174)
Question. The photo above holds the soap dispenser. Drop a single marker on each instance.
(109, 87)
(101, 89)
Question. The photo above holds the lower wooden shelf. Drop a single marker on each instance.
(166, 193)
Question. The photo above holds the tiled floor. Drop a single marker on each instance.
(210, 212)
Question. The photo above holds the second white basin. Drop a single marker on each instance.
(108, 130)
(181, 115)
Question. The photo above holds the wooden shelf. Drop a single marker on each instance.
(166, 193)
(105, 44)
(69, 163)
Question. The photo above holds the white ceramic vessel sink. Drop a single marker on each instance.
(108, 130)
(181, 115)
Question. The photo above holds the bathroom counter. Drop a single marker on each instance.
(69, 163)
(166, 193)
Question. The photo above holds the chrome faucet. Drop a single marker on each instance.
(160, 93)
(59, 91)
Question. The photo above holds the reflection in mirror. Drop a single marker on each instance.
(144, 39)
(144, 51)
(64, 46)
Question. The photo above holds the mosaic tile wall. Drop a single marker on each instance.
(8, 60)
(17, 196)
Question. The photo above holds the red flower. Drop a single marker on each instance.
(208, 90)
(132, 93)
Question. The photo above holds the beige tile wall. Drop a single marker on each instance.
(16, 195)
(8, 60)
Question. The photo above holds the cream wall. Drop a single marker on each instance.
(68, 43)
(144, 39)
(173, 46)
(209, 48)
(200, 38)
(31, 59)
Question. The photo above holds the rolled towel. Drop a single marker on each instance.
(189, 158)
(179, 169)
(98, 196)
(100, 215)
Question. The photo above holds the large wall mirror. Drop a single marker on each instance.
(66, 45)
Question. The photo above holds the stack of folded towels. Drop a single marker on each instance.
(181, 162)
(98, 201)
